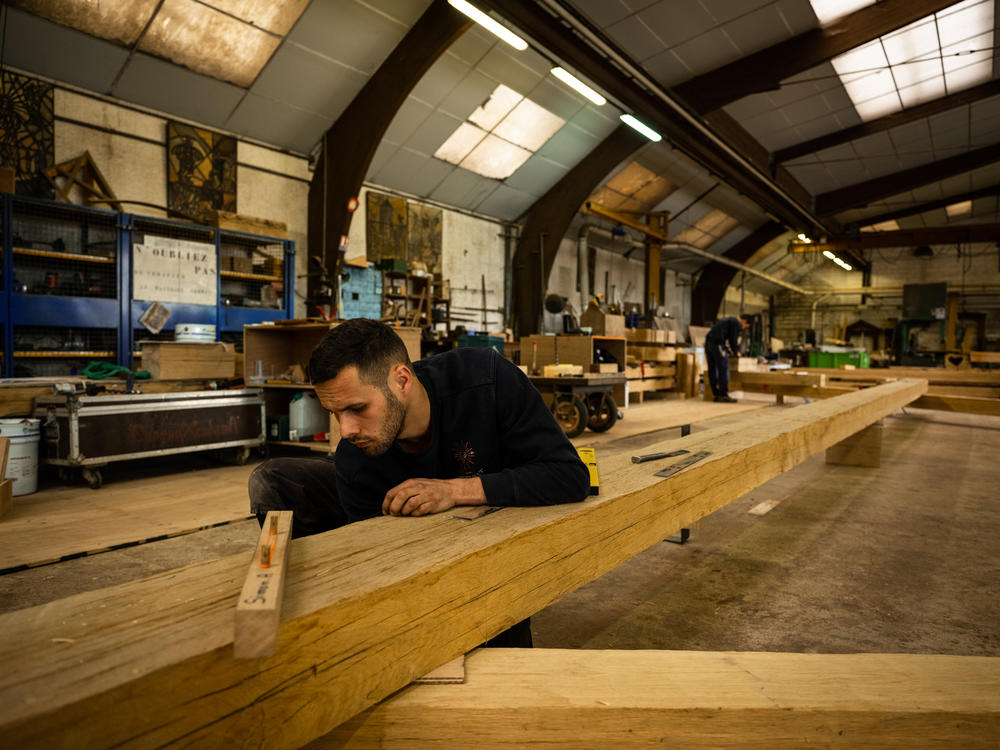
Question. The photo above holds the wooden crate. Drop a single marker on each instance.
(603, 324)
(176, 360)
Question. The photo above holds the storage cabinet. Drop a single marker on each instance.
(68, 291)
(416, 300)
(276, 359)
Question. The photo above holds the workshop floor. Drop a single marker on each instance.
(898, 559)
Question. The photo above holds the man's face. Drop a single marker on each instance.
(368, 416)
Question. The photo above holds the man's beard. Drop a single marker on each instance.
(394, 416)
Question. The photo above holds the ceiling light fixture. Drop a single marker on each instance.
(640, 127)
(829, 255)
(579, 86)
(489, 24)
(803, 238)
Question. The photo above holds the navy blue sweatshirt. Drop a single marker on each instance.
(727, 329)
(487, 420)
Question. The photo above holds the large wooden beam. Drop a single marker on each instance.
(764, 70)
(863, 193)
(368, 607)
(920, 208)
(904, 238)
(910, 114)
(519, 698)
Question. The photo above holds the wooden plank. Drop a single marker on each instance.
(258, 610)
(650, 370)
(371, 606)
(966, 405)
(6, 485)
(74, 521)
(651, 384)
(795, 378)
(985, 357)
(518, 698)
(650, 353)
(933, 375)
(173, 360)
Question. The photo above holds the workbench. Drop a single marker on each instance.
(581, 401)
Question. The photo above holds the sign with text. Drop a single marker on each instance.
(169, 270)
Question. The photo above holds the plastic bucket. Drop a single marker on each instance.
(197, 332)
(22, 462)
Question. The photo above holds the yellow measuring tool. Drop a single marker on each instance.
(258, 611)
(590, 459)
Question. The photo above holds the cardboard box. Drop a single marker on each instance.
(239, 264)
(183, 360)
(603, 324)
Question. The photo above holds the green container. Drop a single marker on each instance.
(480, 339)
(834, 360)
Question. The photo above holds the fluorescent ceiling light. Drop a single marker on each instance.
(829, 255)
(937, 55)
(802, 238)
(489, 24)
(959, 209)
(644, 129)
(579, 86)
(842, 264)
(500, 135)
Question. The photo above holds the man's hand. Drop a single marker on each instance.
(421, 497)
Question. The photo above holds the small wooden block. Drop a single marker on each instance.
(452, 673)
(258, 611)
(863, 448)
(6, 496)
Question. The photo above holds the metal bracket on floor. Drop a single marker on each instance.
(680, 537)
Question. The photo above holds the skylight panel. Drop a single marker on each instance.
(500, 135)
(959, 209)
(460, 143)
(937, 55)
(883, 226)
(529, 125)
(828, 11)
(489, 114)
(495, 158)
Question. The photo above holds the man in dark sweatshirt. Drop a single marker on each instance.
(725, 333)
(463, 428)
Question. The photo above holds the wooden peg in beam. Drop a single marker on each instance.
(258, 611)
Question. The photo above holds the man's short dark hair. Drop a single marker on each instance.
(372, 347)
(747, 317)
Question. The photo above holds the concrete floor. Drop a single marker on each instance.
(904, 558)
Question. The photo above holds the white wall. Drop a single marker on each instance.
(978, 266)
(472, 248)
(129, 147)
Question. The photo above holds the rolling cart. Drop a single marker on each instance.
(581, 401)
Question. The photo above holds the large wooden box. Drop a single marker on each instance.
(186, 360)
(603, 324)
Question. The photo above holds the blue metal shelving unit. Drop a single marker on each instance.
(121, 313)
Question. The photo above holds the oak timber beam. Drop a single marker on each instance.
(964, 404)
(549, 217)
(368, 607)
(350, 144)
(766, 69)
(863, 193)
(524, 698)
(910, 114)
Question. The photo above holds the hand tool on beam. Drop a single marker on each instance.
(683, 464)
(258, 611)
(656, 456)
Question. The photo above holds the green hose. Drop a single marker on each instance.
(100, 370)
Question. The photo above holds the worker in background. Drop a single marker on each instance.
(724, 334)
(465, 427)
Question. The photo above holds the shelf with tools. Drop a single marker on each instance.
(76, 281)
(419, 300)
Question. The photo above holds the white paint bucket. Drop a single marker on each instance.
(202, 332)
(22, 462)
